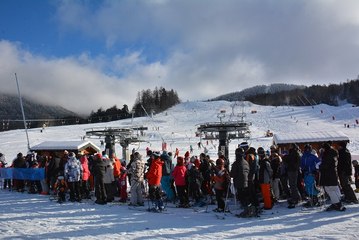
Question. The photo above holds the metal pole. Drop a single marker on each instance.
(23, 114)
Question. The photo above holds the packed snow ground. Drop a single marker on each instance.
(27, 216)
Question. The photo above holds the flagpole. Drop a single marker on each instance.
(23, 114)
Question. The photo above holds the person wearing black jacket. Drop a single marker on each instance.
(345, 172)
(19, 162)
(293, 161)
(329, 176)
(99, 169)
(53, 170)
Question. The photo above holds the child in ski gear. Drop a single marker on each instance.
(179, 175)
(136, 170)
(60, 187)
(220, 180)
(123, 183)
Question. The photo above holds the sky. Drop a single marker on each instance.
(84, 55)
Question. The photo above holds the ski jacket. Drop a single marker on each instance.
(220, 179)
(98, 167)
(239, 173)
(53, 167)
(108, 177)
(328, 168)
(293, 160)
(167, 166)
(73, 170)
(179, 175)
(309, 162)
(265, 171)
(194, 176)
(116, 167)
(275, 163)
(85, 168)
(344, 162)
(154, 174)
(137, 169)
(19, 162)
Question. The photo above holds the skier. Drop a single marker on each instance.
(179, 176)
(72, 174)
(60, 188)
(239, 173)
(221, 180)
(265, 176)
(345, 173)
(166, 174)
(292, 161)
(154, 176)
(99, 175)
(275, 162)
(136, 170)
(194, 179)
(309, 163)
(329, 176)
(85, 188)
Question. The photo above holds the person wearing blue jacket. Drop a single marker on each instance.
(309, 166)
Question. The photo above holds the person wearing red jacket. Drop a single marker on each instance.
(179, 176)
(154, 176)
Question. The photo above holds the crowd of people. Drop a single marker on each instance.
(257, 178)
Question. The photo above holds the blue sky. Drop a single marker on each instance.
(86, 54)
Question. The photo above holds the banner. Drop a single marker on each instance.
(32, 174)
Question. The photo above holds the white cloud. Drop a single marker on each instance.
(70, 82)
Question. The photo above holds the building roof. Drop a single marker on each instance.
(64, 145)
(309, 137)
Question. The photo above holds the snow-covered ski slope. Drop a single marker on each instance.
(25, 216)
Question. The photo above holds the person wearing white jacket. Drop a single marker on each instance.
(73, 174)
(109, 178)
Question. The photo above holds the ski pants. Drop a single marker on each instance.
(310, 185)
(293, 185)
(136, 192)
(348, 191)
(276, 188)
(334, 193)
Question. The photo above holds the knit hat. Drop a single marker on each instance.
(261, 151)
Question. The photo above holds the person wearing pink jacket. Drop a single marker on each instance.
(85, 190)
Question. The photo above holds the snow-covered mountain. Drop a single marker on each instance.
(35, 217)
